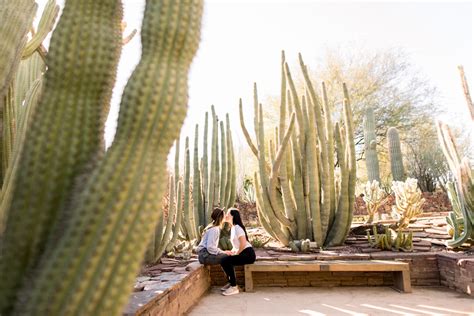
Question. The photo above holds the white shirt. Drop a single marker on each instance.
(235, 233)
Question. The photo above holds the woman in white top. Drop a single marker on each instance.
(208, 250)
(241, 254)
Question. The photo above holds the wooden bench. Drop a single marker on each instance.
(400, 270)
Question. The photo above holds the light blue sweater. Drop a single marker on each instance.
(210, 241)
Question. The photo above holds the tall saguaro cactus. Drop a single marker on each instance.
(395, 154)
(298, 196)
(101, 214)
(371, 159)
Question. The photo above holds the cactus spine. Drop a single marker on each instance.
(101, 245)
(371, 159)
(395, 154)
(309, 206)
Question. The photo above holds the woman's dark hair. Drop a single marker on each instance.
(217, 216)
(237, 220)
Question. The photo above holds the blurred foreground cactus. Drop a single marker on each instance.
(73, 240)
(461, 191)
(298, 196)
(373, 197)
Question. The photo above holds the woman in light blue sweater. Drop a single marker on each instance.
(208, 249)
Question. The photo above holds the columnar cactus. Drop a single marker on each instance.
(395, 154)
(408, 201)
(101, 214)
(221, 189)
(298, 197)
(163, 233)
(371, 159)
(373, 197)
(461, 192)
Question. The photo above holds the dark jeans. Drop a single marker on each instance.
(247, 256)
(206, 258)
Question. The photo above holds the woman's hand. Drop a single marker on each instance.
(228, 252)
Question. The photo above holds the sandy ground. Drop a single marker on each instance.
(355, 301)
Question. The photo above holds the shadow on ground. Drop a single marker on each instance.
(355, 301)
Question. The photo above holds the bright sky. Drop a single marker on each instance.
(242, 40)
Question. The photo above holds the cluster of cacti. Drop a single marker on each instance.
(213, 180)
(298, 196)
(395, 154)
(461, 192)
(300, 245)
(373, 197)
(77, 218)
(408, 201)
(385, 241)
(370, 140)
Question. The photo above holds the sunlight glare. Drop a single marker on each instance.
(387, 310)
(311, 313)
(345, 310)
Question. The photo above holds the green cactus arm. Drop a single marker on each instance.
(189, 220)
(371, 159)
(313, 172)
(205, 170)
(63, 137)
(233, 181)
(212, 166)
(352, 162)
(197, 181)
(100, 253)
(179, 216)
(167, 235)
(276, 168)
(223, 163)
(331, 163)
(267, 219)
(297, 107)
(176, 162)
(16, 18)
(46, 24)
(266, 182)
(338, 228)
(230, 165)
(395, 155)
(245, 131)
(322, 139)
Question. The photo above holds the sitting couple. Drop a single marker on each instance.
(242, 252)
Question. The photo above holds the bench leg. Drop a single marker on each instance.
(402, 281)
(248, 279)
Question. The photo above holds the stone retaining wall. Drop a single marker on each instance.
(457, 272)
(175, 300)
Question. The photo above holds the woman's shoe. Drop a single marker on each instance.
(231, 291)
(225, 287)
